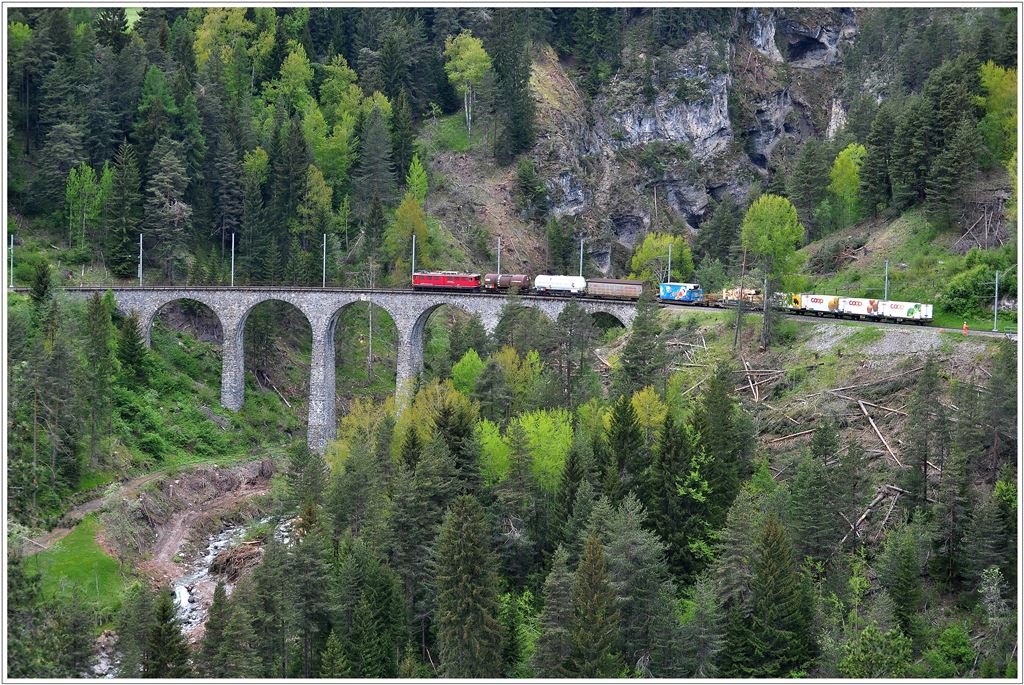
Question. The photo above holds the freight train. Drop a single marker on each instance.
(691, 294)
(543, 284)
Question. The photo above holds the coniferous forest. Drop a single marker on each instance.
(708, 493)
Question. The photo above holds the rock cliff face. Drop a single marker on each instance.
(672, 131)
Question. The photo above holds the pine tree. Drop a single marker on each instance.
(899, 570)
(644, 592)
(551, 654)
(594, 630)
(333, 660)
(952, 517)
(289, 166)
(309, 594)
(809, 177)
(209, 661)
(726, 441)
(167, 654)
(135, 622)
(908, 166)
(168, 217)
(111, 27)
(468, 631)
(131, 350)
(514, 103)
(643, 356)
(719, 234)
(875, 182)
(373, 227)
(951, 172)
(987, 541)
(702, 635)
(626, 450)
(100, 367)
(238, 654)
(1000, 401)
(375, 177)
(780, 640)
(124, 213)
(809, 514)
(62, 151)
(402, 134)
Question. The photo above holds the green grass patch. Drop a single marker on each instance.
(865, 336)
(77, 563)
(448, 134)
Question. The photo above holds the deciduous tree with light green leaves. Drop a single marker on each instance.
(771, 233)
(844, 190)
(467, 63)
(650, 260)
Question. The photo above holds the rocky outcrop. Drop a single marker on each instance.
(689, 126)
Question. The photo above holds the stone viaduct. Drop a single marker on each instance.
(409, 309)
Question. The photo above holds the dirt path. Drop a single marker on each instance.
(80, 511)
(161, 564)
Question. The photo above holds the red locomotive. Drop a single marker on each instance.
(445, 280)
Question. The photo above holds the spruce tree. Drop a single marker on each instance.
(780, 640)
(875, 182)
(402, 134)
(951, 172)
(645, 593)
(209, 663)
(952, 518)
(111, 24)
(124, 214)
(927, 434)
(131, 350)
(375, 176)
(333, 660)
(899, 570)
(594, 637)
(719, 234)
(643, 357)
(100, 367)
(135, 622)
(702, 634)
(514, 102)
(168, 217)
(725, 440)
(908, 166)
(468, 632)
(238, 655)
(551, 655)
(626, 450)
(167, 653)
(308, 592)
(987, 541)
(809, 515)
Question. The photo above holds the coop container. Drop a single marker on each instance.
(911, 311)
(819, 303)
(860, 306)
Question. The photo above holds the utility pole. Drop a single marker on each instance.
(581, 257)
(886, 295)
(413, 259)
(739, 303)
(10, 252)
(232, 259)
(140, 260)
(668, 276)
(323, 280)
(499, 256)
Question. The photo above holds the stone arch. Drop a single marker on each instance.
(614, 315)
(211, 307)
(351, 306)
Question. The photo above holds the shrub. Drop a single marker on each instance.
(968, 291)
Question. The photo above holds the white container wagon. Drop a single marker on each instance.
(562, 285)
(907, 311)
(860, 306)
(819, 304)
